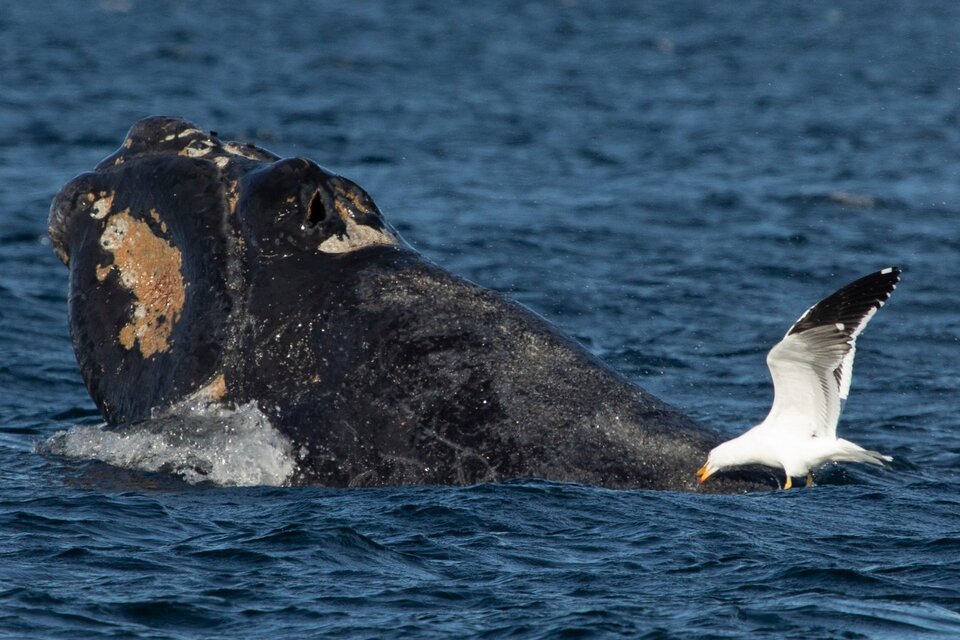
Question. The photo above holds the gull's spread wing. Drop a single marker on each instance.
(813, 364)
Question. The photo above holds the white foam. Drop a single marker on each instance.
(200, 442)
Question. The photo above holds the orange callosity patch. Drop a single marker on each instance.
(150, 268)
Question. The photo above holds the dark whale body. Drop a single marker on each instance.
(215, 270)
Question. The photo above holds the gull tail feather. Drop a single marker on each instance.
(850, 452)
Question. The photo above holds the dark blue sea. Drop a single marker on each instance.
(672, 183)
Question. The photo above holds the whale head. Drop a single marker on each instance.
(162, 241)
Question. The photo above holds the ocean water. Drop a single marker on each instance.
(672, 183)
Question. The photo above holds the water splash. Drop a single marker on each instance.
(200, 442)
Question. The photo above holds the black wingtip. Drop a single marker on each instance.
(853, 304)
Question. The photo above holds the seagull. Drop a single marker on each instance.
(811, 369)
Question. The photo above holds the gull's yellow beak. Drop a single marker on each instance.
(703, 474)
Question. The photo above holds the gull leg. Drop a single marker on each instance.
(788, 483)
(809, 479)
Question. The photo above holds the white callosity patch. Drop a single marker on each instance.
(198, 148)
(238, 150)
(182, 134)
(206, 443)
(356, 236)
(113, 235)
(101, 207)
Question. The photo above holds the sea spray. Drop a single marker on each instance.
(200, 442)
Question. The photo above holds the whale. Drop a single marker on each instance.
(214, 270)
